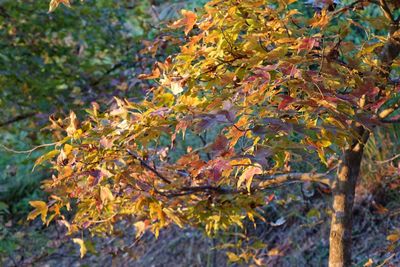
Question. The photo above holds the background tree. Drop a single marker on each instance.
(273, 95)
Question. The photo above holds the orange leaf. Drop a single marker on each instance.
(153, 75)
(320, 20)
(188, 21)
(247, 176)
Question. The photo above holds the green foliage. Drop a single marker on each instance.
(18, 184)
(60, 60)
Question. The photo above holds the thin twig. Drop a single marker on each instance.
(27, 151)
(147, 166)
(388, 160)
(18, 118)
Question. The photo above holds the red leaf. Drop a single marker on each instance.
(221, 144)
(286, 100)
(307, 44)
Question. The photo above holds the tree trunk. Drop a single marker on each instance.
(343, 198)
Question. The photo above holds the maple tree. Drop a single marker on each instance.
(257, 88)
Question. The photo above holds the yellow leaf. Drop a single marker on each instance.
(67, 149)
(40, 208)
(368, 49)
(173, 217)
(324, 143)
(105, 194)
(176, 88)
(320, 20)
(369, 263)
(274, 252)
(393, 237)
(232, 257)
(45, 157)
(153, 75)
(55, 3)
(288, 2)
(82, 246)
(140, 228)
(73, 122)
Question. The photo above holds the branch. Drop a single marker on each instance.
(391, 49)
(386, 10)
(147, 166)
(388, 160)
(390, 52)
(390, 121)
(16, 119)
(323, 178)
(184, 191)
(280, 179)
(351, 6)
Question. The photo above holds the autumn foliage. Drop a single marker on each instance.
(261, 93)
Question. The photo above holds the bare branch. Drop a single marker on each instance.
(391, 121)
(18, 118)
(388, 160)
(184, 191)
(323, 178)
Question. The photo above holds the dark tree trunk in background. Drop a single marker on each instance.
(343, 198)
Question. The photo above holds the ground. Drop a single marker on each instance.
(296, 233)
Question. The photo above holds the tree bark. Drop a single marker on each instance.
(343, 190)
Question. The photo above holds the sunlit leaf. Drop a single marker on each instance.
(40, 209)
(82, 246)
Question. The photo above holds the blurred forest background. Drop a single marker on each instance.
(52, 63)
